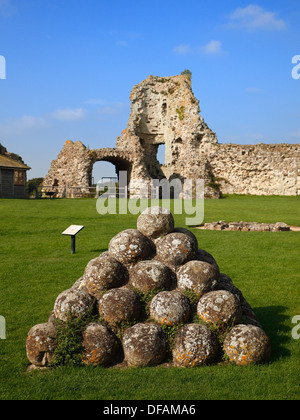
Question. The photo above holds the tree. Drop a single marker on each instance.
(187, 73)
(34, 185)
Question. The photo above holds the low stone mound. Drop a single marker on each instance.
(247, 226)
(153, 297)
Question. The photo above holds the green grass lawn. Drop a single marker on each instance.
(36, 265)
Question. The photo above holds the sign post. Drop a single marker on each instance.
(72, 231)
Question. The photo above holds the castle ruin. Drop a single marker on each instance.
(164, 110)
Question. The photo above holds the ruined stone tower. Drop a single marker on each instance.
(164, 110)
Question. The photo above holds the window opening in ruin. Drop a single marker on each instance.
(161, 152)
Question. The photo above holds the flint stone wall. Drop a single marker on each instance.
(164, 110)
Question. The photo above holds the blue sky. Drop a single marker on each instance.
(71, 64)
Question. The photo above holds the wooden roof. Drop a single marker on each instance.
(8, 163)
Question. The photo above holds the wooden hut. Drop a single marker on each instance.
(12, 178)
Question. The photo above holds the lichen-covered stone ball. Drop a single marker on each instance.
(202, 255)
(73, 302)
(150, 275)
(219, 307)
(225, 283)
(130, 246)
(197, 276)
(99, 345)
(170, 307)
(79, 284)
(103, 273)
(155, 222)
(40, 344)
(249, 316)
(195, 345)
(118, 305)
(144, 345)
(188, 233)
(247, 344)
(175, 249)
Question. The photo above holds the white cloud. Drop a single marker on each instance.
(18, 126)
(6, 8)
(253, 90)
(30, 123)
(211, 48)
(122, 43)
(112, 109)
(95, 101)
(77, 114)
(182, 49)
(254, 17)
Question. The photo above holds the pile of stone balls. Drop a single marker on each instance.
(165, 263)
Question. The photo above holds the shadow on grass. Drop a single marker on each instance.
(274, 321)
(99, 251)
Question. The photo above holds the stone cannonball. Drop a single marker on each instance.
(198, 276)
(195, 345)
(150, 275)
(247, 344)
(155, 222)
(175, 249)
(130, 246)
(119, 305)
(188, 233)
(144, 345)
(225, 283)
(102, 273)
(73, 302)
(202, 255)
(79, 284)
(40, 344)
(100, 345)
(170, 308)
(249, 315)
(219, 307)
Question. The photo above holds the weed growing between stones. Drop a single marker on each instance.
(171, 332)
(69, 348)
(145, 299)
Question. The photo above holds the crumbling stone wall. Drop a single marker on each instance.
(164, 110)
(262, 169)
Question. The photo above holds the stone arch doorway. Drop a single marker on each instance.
(103, 169)
(119, 159)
